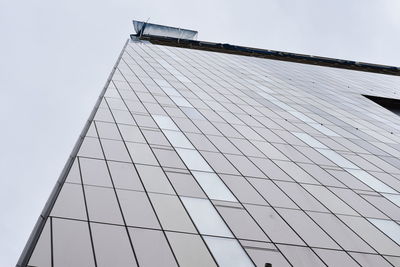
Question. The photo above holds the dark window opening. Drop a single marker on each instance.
(389, 103)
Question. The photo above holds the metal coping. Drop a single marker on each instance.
(269, 54)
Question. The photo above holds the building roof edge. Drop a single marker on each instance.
(270, 54)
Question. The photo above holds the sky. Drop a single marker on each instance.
(55, 57)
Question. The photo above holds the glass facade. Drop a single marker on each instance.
(198, 158)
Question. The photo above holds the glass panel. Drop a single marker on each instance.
(151, 248)
(323, 129)
(94, 172)
(91, 148)
(369, 260)
(111, 246)
(108, 130)
(297, 173)
(219, 163)
(371, 181)
(336, 158)
(390, 228)
(301, 256)
(178, 139)
(137, 209)
(241, 223)
(74, 175)
(301, 197)
(165, 123)
(124, 176)
(358, 203)
(155, 137)
(71, 243)
(206, 217)
(307, 229)
(228, 252)
(371, 235)
(243, 190)
(131, 133)
(190, 250)
(213, 186)
(340, 232)
(272, 193)
(331, 201)
(70, 203)
(185, 185)
(262, 253)
(272, 224)
(169, 158)
(394, 198)
(193, 160)
(336, 258)
(102, 205)
(171, 213)
(115, 150)
(309, 140)
(154, 179)
(245, 166)
(141, 153)
(180, 101)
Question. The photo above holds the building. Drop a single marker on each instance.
(204, 154)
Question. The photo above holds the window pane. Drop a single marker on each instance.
(95, 172)
(213, 186)
(111, 246)
(141, 153)
(165, 122)
(190, 250)
(137, 209)
(124, 176)
(193, 160)
(108, 130)
(228, 252)
(262, 253)
(371, 181)
(115, 150)
(151, 248)
(336, 258)
(309, 140)
(178, 139)
(241, 223)
(390, 228)
(276, 228)
(154, 179)
(336, 158)
(185, 185)
(71, 243)
(371, 235)
(340, 232)
(206, 217)
(369, 260)
(301, 256)
(171, 213)
(331, 201)
(102, 205)
(272, 193)
(307, 229)
(70, 203)
(91, 148)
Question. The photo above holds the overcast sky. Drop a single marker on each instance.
(55, 57)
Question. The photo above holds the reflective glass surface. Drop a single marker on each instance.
(198, 158)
